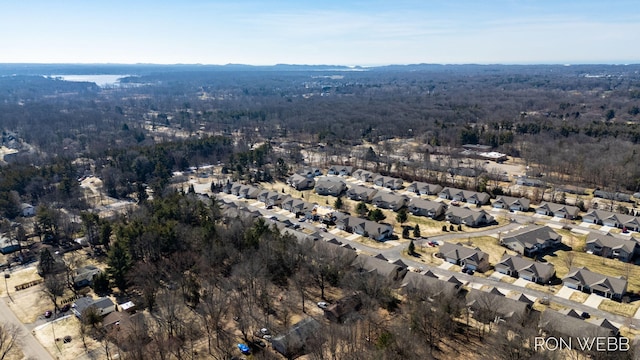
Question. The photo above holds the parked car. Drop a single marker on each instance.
(323, 305)
(244, 348)
(585, 315)
(47, 314)
(265, 331)
(65, 308)
(259, 343)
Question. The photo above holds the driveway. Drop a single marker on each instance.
(445, 265)
(521, 282)
(594, 301)
(565, 292)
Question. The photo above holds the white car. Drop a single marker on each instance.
(323, 305)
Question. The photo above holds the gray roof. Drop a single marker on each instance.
(428, 205)
(557, 323)
(459, 252)
(510, 201)
(294, 341)
(467, 214)
(393, 199)
(619, 218)
(611, 242)
(532, 235)
(424, 188)
(379, 266)
(364, 175)
(361, 192)
(554, 208)
(596, 281)
(331, 183)
(519, 264)
(499, 304)
(414, 282)
(466, 194)
(341, 168)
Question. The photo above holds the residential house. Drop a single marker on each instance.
(610, 246)
(471, 197)
(532, 239)
(327, 185)
(271, 198)
(361, 193)
(388, 182)
(611, 219)
(7, 245)
(298, 207)
(84, 276)
(425, 284)
(309, 172)
(422, 188)
(364, 227)
(422, 207)
(615, 196)
(231, 210)
(558, 210)
(364, 175)
(385, 269)
(554, 323)
(248, 192)
(126, 331)
(343, 309)
(340, 170)
(588, 281)
(471, 258)
(511, 203)
(526, 181)
(466, 216)
(299, 339)
(385, 200)
(519, 267)
(300, 182)
(27, 210)
(103, 306)
(494, 306)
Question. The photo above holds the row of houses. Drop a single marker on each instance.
(517, 307)
(530, 240)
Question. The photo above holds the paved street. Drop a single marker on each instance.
(519, 220)
(31, 348)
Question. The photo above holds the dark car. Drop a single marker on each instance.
(65, 308)
(259, 343)
(47, 314)
(585, 315)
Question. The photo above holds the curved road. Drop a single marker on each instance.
(396, 253)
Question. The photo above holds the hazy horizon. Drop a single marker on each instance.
(350, 33)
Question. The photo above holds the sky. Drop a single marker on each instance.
(365, 33)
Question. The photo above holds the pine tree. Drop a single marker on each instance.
(412, 248)
(416, 231)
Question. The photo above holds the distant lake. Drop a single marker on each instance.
(100, 80)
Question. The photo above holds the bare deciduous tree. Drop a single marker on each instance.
(10, 335)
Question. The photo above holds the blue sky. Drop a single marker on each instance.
(320, 32)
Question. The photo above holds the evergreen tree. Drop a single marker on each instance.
(338, 204)
(119, 264)
(416, 231)
(405, 232)
(402, 216)
(412, 248)
(361, 208)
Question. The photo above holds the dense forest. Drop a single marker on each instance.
(576, 122)
(201, 273)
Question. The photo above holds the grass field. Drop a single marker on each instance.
(489, 245)
(614, 307)
(610, 267)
